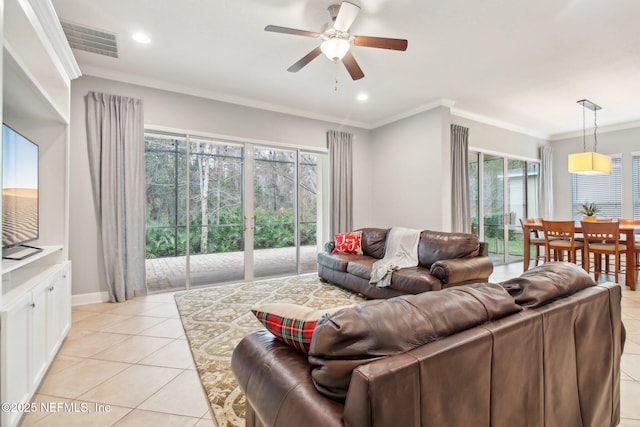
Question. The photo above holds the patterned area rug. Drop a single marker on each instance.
(216, 318)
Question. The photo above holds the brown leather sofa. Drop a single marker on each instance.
(445, 260)
(540, 349)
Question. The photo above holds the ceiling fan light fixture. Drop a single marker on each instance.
(335, 48)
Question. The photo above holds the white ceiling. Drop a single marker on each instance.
(522, 63)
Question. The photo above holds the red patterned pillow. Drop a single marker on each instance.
(290, 323)
(348, 243)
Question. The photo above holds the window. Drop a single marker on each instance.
(603, 190)
(501, 191)
(635, 165)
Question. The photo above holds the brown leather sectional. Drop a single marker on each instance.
(540, 349)
(445, 260)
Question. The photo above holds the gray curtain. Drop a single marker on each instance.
(341, 177)
(115, 139)
(546, 179)
(461, 220)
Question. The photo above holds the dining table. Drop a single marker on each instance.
(626, 230)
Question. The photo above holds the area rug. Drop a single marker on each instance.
(216, 318)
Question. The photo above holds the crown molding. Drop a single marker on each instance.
(187, 90)
(601, 129)
(51, 33)
(498, 123)
(441, 102)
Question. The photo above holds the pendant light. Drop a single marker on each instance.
(589, 162)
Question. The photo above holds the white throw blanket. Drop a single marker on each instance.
(401, 252)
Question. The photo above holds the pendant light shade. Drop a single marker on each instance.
(589, 162)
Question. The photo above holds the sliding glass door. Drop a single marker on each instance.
(216, 239)
(274, 212)
(221, 212)
(502, 191)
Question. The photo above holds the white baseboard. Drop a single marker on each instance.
(91, 298)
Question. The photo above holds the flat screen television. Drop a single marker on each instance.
(20, 223)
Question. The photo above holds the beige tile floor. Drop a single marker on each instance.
(123, 365)
(129, 365)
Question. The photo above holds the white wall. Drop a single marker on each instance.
(497, 140)
(618, 142)
(196, 115)
(410, 168)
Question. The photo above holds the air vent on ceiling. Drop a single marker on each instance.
(90, 40)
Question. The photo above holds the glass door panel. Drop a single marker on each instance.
(474, 191)
(516, 208)
(166, 249)
(533, 190)
(493, 206)
(274, 212)
(308, 202)
(501, 191)
(216, 238)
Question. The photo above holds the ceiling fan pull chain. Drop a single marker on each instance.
(335, 88)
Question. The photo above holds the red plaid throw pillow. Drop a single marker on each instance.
(290, 323)
(348, 243)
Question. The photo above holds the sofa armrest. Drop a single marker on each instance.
(462, 270)
(329, 246)
(276, 380)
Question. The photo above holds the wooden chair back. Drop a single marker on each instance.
(529, 221)
(602, 238)
(601, 232)
(559, 229)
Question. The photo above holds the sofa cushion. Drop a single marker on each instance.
(414, 280)
(291, 323)
(546, 283)
(375, 329)
(437, 245)
(337, 262)
(361, 267)
(348, 243)
(374, 241)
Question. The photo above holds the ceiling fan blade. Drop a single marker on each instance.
(305, 60)
(346, 16)
(352, 66)
(285, 30)
(380, 42)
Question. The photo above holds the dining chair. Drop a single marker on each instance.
(602, 238)
(536, 239)
(636, 242)
(560, 237)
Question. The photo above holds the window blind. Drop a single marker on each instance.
(635, 166)
(603, 190)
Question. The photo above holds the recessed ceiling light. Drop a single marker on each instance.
(141, 38)
(362, 97)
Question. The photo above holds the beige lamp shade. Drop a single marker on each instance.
(589, 163)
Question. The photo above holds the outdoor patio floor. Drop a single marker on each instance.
(169, 274)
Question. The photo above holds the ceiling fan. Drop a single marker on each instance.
(337, 40)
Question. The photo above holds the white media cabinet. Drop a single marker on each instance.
(35, 295)
(35, 316)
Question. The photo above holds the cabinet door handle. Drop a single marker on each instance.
(51, 289)
(33, 305)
